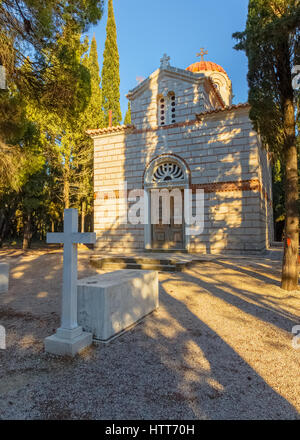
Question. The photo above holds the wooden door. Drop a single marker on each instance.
(169, 236)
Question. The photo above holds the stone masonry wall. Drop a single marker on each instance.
(223, 154)
(192, 96)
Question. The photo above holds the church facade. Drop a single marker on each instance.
(186, 135)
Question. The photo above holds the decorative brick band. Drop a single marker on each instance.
(131, 129)
(243, 185)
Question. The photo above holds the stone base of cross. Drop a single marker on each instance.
(69, 339)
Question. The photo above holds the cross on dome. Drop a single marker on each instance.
(202, 53)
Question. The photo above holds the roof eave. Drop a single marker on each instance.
(109, 130)
(240, 106)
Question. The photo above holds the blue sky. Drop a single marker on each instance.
(148, 28)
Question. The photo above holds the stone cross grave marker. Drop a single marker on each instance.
(69, 339)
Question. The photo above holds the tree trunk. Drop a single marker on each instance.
(52, 226)
(290, 270)
(66, 193)
(27, 232)
(67, 183)
(83, 210)
(3, 226)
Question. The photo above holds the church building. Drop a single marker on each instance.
(185, 134)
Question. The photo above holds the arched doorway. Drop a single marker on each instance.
(165, 179)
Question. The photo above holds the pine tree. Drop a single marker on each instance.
(110, 71)
(62, 127)
(40, 112)
(34, 26)
(127, 120)
(271, 43)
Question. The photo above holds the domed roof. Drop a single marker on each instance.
(208, 66)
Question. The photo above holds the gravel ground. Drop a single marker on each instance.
(219, 347)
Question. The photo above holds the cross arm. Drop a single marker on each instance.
(84, 237)
(55, 237)
(76, 237)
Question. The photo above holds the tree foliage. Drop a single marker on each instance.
(29, 27)
(110, 71)
(271, 43)
(52, 93)
(92, 117)
(127, 119)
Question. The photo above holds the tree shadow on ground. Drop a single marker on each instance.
(262, 306)
(228, 387)
(252, 273)
(171, 366)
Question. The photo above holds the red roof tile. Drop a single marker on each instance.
(108, 130)
(208, 66)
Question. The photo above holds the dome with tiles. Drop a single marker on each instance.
(205, 66)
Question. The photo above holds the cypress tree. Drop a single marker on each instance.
(110, 71)
(271, 43)
(127, 120)
(93, 115)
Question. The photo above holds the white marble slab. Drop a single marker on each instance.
(110, 303)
